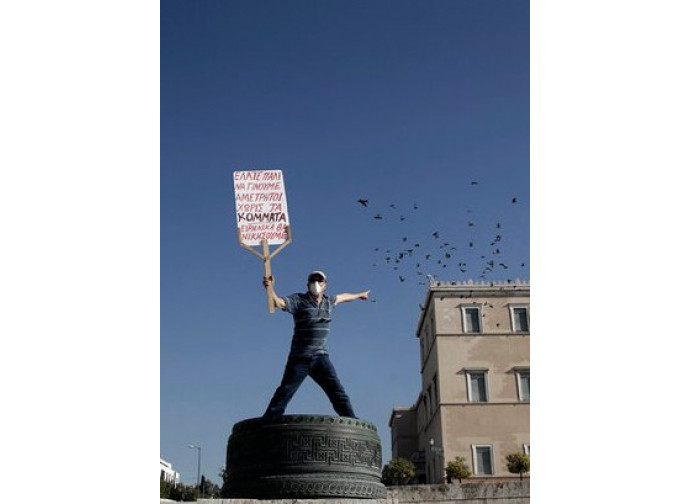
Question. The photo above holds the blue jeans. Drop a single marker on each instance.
(321, 370)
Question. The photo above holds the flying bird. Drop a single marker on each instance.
(378, 216)
(363, 202)
(514, 200)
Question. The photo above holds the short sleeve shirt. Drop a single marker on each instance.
(312, 323)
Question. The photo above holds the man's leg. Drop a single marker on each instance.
(323, 373)
(296, 370)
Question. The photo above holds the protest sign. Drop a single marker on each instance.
(262, 215)
(261, 206)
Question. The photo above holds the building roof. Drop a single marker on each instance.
(469, 288)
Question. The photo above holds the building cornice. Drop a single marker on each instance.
(470, 289)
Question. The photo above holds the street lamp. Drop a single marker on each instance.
(198, 466)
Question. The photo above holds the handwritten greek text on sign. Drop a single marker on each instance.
(261, 206)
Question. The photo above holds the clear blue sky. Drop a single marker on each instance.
(423, 106)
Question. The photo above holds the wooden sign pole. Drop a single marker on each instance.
(266, 257)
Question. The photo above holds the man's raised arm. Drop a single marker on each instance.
(347, 297)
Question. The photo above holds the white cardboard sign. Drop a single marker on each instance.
(261, 206)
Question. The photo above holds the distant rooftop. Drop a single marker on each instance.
(462, 287)
(482, 283)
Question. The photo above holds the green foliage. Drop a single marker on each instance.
(166, 488)
(184, 493)
(397, 472)
(517, 463)
(457, 469)
(224, 475)
(178, 492)
(210, 489)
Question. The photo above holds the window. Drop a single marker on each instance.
(520, 318)
(483, 459)
(424, 343)
(522, 377)
(477, 386)
(438, 399)
(525, 448)
(470, 319)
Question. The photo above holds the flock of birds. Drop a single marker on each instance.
(434, 252)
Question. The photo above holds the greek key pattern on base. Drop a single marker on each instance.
(291, 448)
(332, 450)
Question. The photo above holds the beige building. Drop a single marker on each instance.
(474, 360)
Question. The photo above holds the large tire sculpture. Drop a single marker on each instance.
(303, 456)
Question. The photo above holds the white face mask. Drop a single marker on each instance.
(316, 288)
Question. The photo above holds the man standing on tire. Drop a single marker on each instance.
(308, 354)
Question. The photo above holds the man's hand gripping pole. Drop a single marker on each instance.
(266, 256)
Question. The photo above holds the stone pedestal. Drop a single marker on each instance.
(303, 457)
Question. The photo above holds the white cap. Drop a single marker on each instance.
(317, 273)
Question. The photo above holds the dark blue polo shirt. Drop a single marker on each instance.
(312, 323)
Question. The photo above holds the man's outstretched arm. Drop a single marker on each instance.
(277, 300)
(347, 297)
